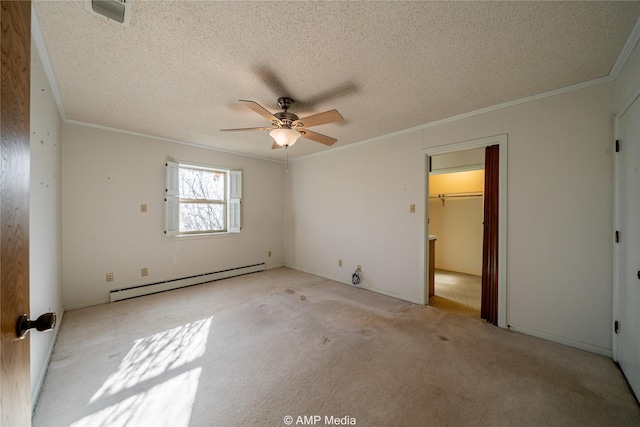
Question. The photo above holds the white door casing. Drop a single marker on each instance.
(626, 297)
(501, 140)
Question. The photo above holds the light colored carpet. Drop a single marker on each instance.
(251, 350)
(457, 292)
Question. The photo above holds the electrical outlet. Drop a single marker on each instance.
(339, 263)
(269, 254)
(144, 272)
(359, 268)
(143, 208)
(109, 277)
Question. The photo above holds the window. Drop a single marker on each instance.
(201, 199)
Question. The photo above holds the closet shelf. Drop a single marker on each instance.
(445, 196)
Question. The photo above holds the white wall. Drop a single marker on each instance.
(107, 176)
(45, 221)
(459, 230)
(560, 177)
(352, 203)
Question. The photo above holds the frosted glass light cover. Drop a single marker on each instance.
(285, 137)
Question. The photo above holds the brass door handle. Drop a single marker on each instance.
(45, 322)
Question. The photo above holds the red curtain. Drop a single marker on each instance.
(489, 305)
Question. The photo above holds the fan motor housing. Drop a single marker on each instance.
(285, 120)
(285, 102)
(286, 116)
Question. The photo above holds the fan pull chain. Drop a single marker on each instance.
(287, 151)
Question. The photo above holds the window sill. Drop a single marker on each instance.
(202, 236)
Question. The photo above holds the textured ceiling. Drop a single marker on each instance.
(179, 68)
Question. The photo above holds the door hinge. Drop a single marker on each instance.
(615, 326)
(617, 145)
(617, 236)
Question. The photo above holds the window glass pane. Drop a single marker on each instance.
(201, 217)
(201, 184)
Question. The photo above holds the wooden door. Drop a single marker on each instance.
(627, 302)
(490, 238)
(15, 390)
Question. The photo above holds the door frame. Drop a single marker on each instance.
(500, 140)
(617, 178)
(615, 309)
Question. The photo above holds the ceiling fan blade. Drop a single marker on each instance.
(318, 137)
(244, 129)
(275, 145)
(260, 110)
(319, 119)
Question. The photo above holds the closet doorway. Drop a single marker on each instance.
(456, 190)
(493, 299)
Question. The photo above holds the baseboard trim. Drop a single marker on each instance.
(366, 288)
(86, 304)
(35, 393)
(562, 340)
(107, 300)
(273, 267)
(169, 285)
(458, 270)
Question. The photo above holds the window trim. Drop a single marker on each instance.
(172, 200)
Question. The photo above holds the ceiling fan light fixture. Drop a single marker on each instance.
(285, 137)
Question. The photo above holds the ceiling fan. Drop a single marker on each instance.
(286, 127)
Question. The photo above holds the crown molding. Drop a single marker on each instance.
(161, 138)
(45, 60)
(626, 51)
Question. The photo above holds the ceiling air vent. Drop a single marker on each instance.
(116, 10)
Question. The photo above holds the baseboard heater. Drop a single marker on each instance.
(152, 288)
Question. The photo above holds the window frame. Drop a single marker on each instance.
(173, 201)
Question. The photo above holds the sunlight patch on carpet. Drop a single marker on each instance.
(153, 385)
(156, 354)
(166, 404)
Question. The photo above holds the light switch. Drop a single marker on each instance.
(412, 208)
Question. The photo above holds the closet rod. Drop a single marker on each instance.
(452, 195)
(445, 196)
